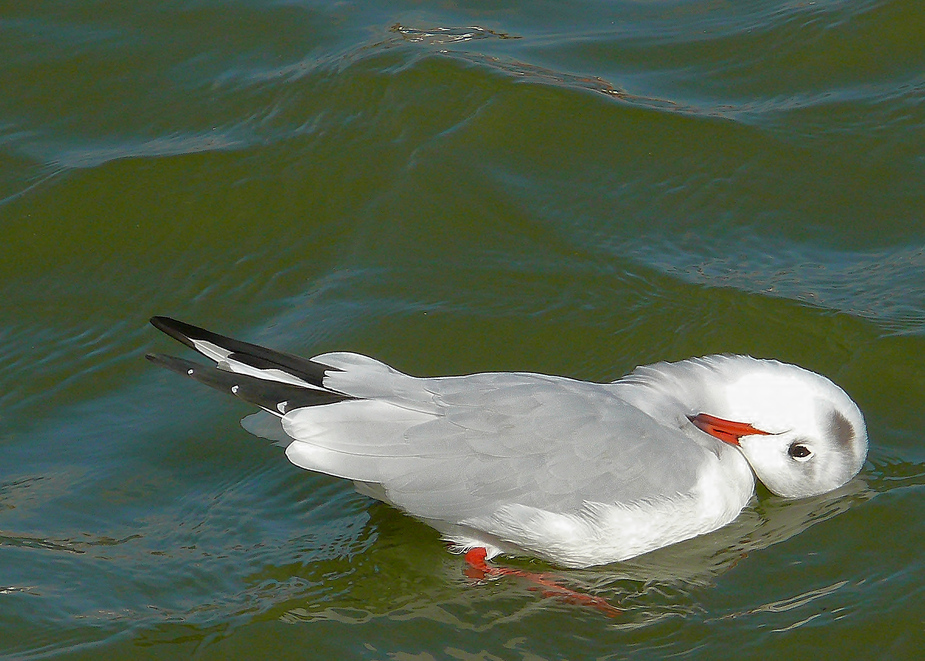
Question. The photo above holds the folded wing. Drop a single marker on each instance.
(451, 448)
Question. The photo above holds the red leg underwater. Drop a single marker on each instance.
(479, 569)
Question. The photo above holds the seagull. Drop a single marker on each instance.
(572, 472)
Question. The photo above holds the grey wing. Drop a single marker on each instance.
(447, 448)
(458, 447)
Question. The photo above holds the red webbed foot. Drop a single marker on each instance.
(548, 584)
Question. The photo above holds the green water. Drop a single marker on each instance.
(573, 188)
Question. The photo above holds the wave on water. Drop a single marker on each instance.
(882, 286)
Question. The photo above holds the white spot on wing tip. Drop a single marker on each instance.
(190, 372)
(282, 406)
(234, 389)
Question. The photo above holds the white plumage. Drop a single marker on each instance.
(574, 472)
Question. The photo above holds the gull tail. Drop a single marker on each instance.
(275, 381)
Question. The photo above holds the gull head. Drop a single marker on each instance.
(801, 433)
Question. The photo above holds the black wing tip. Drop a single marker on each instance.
(186, 333)
(253, 355)
(179, 330)
(163, 323)
(272, 396)
(174, 364)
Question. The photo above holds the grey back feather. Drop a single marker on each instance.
(455, 447)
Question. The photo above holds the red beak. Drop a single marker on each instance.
(725, 430)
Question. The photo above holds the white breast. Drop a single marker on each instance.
(600, 533)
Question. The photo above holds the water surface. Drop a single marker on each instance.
(572, 188)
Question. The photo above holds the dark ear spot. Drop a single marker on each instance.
(841, 429)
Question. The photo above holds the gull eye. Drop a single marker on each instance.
(799, 452)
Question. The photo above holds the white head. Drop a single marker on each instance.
(801, 434)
